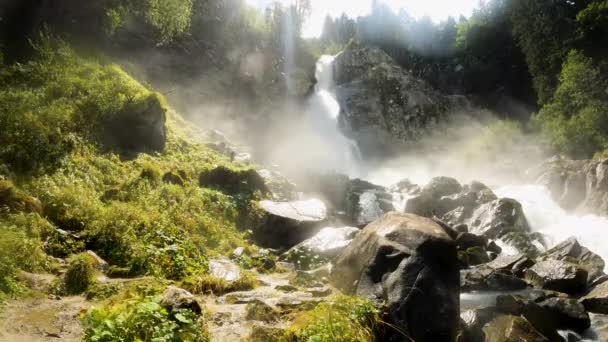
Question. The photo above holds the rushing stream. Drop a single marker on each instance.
(547, 217)
(543, 214)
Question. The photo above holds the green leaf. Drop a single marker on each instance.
(181, 318)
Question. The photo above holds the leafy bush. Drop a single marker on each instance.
(575, 121)
(79, 275)
(142, 319)
(18, 250)
(340, 320)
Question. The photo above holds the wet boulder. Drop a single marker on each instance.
(530, 244)
(325, 245)
(483, 278)
(557, 275)
(597, 300)
(473, 322)
(571, 250)
(499, 217)
(547, 311)
(516, 264)
(409, 262)
(285, 224)
(508, 328)
(427, 202)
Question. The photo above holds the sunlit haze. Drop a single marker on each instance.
(437, 10)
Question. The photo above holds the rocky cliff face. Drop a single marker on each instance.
(580, 185)
(383, 106)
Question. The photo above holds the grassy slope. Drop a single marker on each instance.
(51, 110)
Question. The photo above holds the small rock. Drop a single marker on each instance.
(98, 262)
(238, 252)
(175, 298)
(224, 269)
(259, 310)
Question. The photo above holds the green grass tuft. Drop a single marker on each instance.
(343, 319)
(80, 274)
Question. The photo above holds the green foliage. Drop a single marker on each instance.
(169, 17)
(575, 121)
(343, 319)
(14, 200)
(151, 172)
(592, 28)
(79, 275)
(545, 30)
(49, 104)
(55, 109)
(20, 249)
(142, 319)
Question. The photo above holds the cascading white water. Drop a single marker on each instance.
(547, 217)
(340, 153)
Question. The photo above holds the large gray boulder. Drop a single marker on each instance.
(409, 262)
(499, 217)
(285, 224)
(382, 105)
(549, 312)
(572, 251)
(558, 275)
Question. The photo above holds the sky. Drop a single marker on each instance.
(436, 9)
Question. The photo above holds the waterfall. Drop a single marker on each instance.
(340, 153)
(547, 217)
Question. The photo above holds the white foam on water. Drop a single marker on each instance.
(547, 217)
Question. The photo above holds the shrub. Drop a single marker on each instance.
(575, 121)
(79, 275)
(340, 320)
(18, 251)
(142, 319)
(151, 172)
(12, 199)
